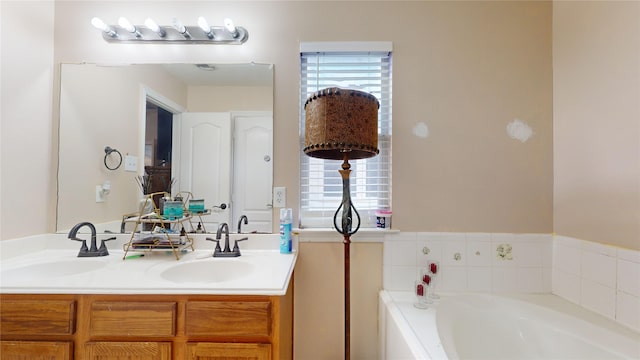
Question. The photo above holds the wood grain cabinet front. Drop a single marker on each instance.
(106, 350)
(249, 319)
(36, 350)
(132, 318)
(226, 351)
(93, 326)
(37, 317)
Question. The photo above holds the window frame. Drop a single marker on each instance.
(370, 179)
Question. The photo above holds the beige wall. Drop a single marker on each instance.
(596, 61)
(319, 300)
(230, 98)
(466, 69)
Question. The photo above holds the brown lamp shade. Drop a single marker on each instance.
(339, 121)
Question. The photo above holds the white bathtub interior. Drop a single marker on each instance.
(485, 326)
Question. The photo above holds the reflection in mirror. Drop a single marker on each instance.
(204, 129)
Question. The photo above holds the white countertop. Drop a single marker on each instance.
(49, 264)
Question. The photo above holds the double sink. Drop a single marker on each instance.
(259, 270)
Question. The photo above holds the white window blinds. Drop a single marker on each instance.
(320, 181)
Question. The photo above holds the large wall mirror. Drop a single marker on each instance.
(199, 130)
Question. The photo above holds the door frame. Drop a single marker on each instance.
(154, 97)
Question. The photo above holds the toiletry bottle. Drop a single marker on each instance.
(286, 220)
(183, 236)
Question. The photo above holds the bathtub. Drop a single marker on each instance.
(485, 326)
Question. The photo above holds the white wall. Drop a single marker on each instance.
(27, 193)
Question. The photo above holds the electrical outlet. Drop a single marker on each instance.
(279, 197)
(131, 163)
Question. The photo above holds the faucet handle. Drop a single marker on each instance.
(236, 248)
(217, 243)
(83, 248)
(102, 251)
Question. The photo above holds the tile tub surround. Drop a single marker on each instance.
(476, 262)
(601, 278)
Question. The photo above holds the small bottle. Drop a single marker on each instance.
(183, 236)
(199, 229)
(286, 221)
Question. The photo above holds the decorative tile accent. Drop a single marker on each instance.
(504, 252)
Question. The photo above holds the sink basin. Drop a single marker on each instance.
(53, 269)
(208, 271)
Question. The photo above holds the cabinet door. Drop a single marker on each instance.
(212, 351)
(107, 350)
(37, 317)
(35, 350)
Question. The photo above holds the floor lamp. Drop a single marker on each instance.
(342, 124)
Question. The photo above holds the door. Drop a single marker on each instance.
(253, 170)
(204, 166)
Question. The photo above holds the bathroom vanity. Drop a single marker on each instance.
(146, 326)
(146, 307)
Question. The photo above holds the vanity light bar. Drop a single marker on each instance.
(152, 33)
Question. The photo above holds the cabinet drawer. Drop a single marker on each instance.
(37, 317)
(123, 319)
(105, 350)
(222, 318)
(227, 351)
(20, 350)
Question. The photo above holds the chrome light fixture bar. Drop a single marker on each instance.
(152, 33)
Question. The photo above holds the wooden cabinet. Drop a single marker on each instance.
(115, 350)
(146, 326)
(36, 350)
(225, 351)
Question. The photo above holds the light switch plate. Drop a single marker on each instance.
(99, 194)
(279, 197)
(131, 163)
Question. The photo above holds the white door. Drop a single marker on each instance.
(253, 170)
(204, 166)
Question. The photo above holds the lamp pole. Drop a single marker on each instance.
(346, 231)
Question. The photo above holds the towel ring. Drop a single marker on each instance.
(107, 151)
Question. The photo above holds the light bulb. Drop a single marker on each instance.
(99, 24)
(175, 22)
(231, 28)
(124, 23)
(154, 27)
(204, 25)
(181, 28)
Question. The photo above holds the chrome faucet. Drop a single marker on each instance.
(246, 221)
(93, 251)
(227, 252)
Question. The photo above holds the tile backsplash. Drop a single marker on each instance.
(482, 262)
(601, 278)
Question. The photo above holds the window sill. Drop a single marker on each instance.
(331, 235)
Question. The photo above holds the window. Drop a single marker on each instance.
(370, 180)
